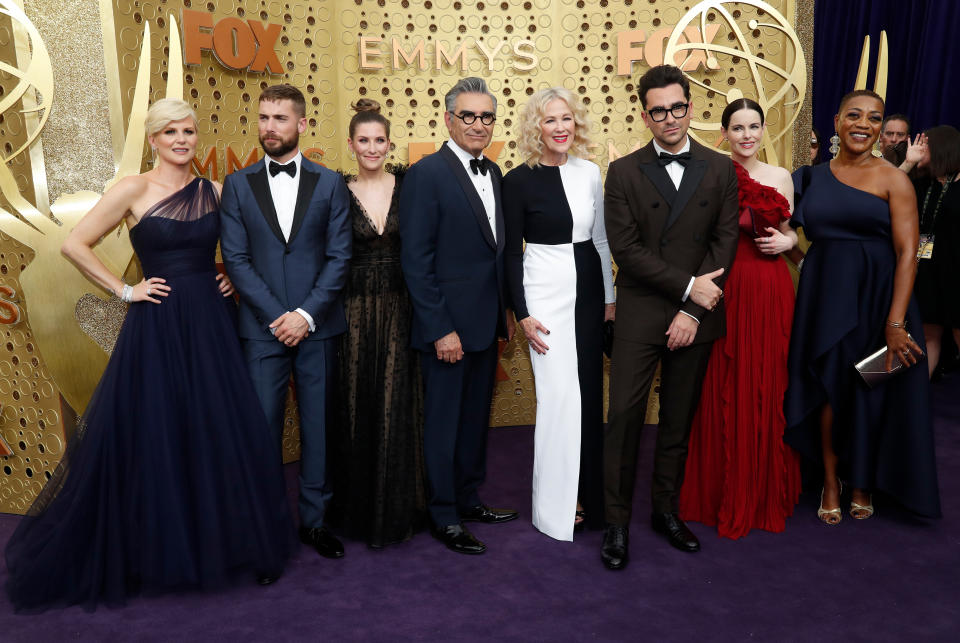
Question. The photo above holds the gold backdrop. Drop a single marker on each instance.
(81, 64)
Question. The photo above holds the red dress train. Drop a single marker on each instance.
(739, 474)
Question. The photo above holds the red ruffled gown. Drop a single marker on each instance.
(740, 475)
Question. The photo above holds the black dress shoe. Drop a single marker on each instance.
(267, 579)
(458, 539)
(676, 531)
(616, 543)
(321, 539)
(483, 513)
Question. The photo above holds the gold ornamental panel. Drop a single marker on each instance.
(76, 77)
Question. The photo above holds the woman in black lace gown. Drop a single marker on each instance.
(379, 488)
(172, 480)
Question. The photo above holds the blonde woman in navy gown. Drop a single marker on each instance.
(172, 480)
(562, 290)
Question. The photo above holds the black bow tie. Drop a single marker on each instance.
(479, 165)
(666, 158)
(290, 168)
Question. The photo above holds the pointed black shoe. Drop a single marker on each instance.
(615, 551)
(483, 513)
(677, 533)
(323, 540)
(458, 539)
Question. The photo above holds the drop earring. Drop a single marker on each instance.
(834, 145)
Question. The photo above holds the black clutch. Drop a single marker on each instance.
(608, 338)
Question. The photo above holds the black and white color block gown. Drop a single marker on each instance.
(562, 278)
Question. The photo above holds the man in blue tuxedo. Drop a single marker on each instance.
(451, 227)
(286, 243)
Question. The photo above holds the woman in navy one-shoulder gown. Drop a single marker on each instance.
(172, 480)
(854, 297)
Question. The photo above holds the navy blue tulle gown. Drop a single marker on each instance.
(883, 437)
(172, 480)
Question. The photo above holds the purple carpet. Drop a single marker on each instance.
(891, 578)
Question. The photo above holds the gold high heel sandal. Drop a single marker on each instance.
(827, 516)
(861, 512)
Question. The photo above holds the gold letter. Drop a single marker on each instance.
(627, 54)
(398, 53)
(200, 168)
(365, 62)
(460, 53)
(233, 42)
(613, 153)
(698, 57)
(518, 52)
(194, 40)
(233, 163)
(266, 35)
(416, 151)
(311, 152)
(490, 55)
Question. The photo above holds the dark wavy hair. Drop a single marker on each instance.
(661, 76)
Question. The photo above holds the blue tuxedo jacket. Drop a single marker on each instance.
(452, 264)
(274, 276)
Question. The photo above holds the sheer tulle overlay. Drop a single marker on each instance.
(739, 474)
(379, 483)
(172, 480)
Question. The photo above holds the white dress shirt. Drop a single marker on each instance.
(675, 172)
(283, 190)
(482, 182)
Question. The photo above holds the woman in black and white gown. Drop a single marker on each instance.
(562, 290)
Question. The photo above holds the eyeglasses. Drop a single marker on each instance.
(658, 114)
(469, 118)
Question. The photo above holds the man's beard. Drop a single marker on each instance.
(283, 146)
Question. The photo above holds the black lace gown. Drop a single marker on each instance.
(173, 480)
(379, 481)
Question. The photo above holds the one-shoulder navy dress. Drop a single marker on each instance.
(172, 480)
(883, 437)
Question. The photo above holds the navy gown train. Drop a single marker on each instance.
(172, 480)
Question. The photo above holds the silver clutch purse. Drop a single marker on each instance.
(871, 367)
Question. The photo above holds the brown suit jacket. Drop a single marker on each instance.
(661, 236)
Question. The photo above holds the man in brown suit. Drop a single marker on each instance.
(671, 215)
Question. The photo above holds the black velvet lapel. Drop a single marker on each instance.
(261, 190)
(308, 183)
(476, 203)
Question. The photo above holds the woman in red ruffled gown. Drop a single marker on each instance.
(740, 475)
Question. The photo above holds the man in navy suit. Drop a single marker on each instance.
(286, 243)
(451, 227)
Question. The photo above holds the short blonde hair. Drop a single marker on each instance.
(165, 111)
(529, 142)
